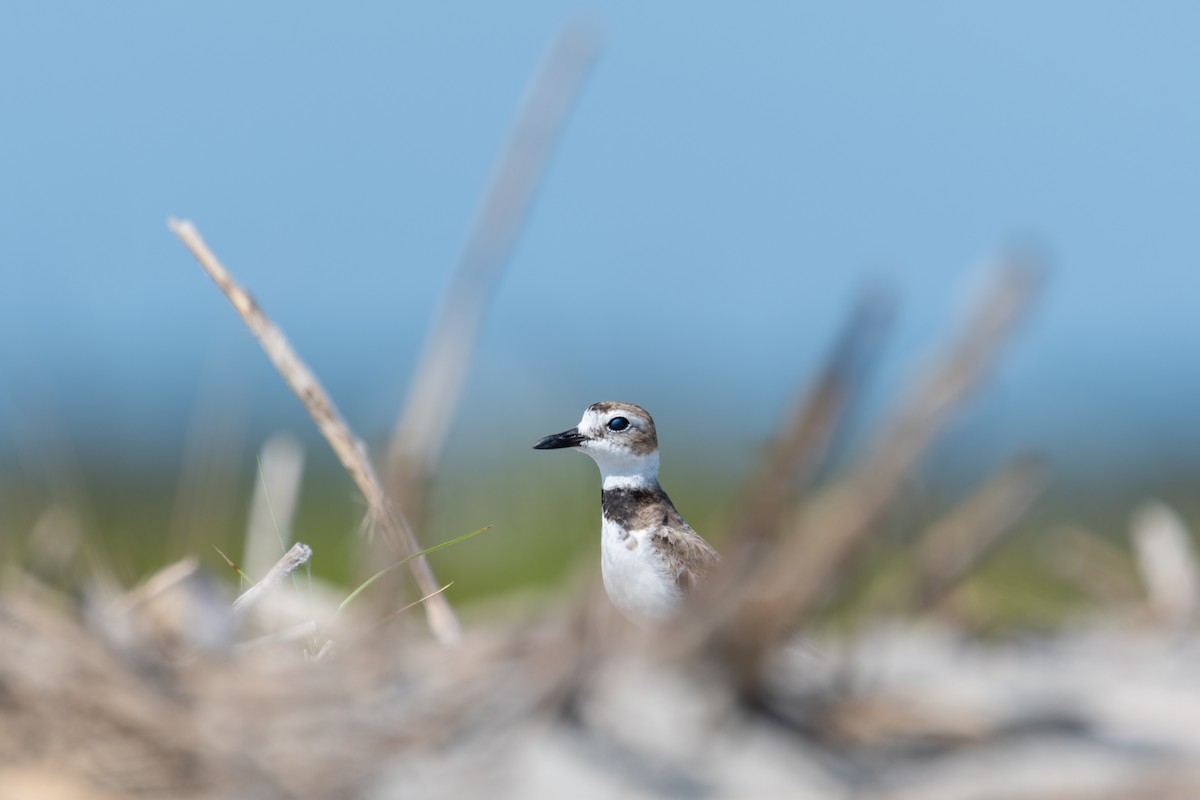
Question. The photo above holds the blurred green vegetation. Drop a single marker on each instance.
(545, 518)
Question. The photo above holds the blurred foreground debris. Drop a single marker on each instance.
(176, 689)
(533, 710)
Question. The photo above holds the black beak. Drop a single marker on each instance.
(571, 438)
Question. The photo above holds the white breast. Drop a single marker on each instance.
(635, 576)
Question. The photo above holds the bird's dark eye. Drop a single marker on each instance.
(618, 424)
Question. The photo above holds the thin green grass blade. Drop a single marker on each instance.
(413, 604)
(274, 521)
(363, 586)
(270, 508)
(233, 565)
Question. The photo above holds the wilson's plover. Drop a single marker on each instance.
(649, 556)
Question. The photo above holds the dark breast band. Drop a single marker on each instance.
(636, 509)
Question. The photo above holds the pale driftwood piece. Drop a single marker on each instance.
(273, 503)
(424, 421)
(291, 561)
(1165, 558)
(349, 448)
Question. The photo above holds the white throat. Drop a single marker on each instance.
(625, 470)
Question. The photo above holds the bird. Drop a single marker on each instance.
(650, 558)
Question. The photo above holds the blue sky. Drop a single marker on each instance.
(728, 180)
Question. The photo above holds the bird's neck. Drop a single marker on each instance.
(630, 472)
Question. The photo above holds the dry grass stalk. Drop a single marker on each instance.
(348, 447)
(437, 384)
(1095, 566)
(957, 543)
(835, 526)
(795, 456)
(273, 503)
(292, 560)
(156, 584)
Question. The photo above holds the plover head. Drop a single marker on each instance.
(620, 438)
